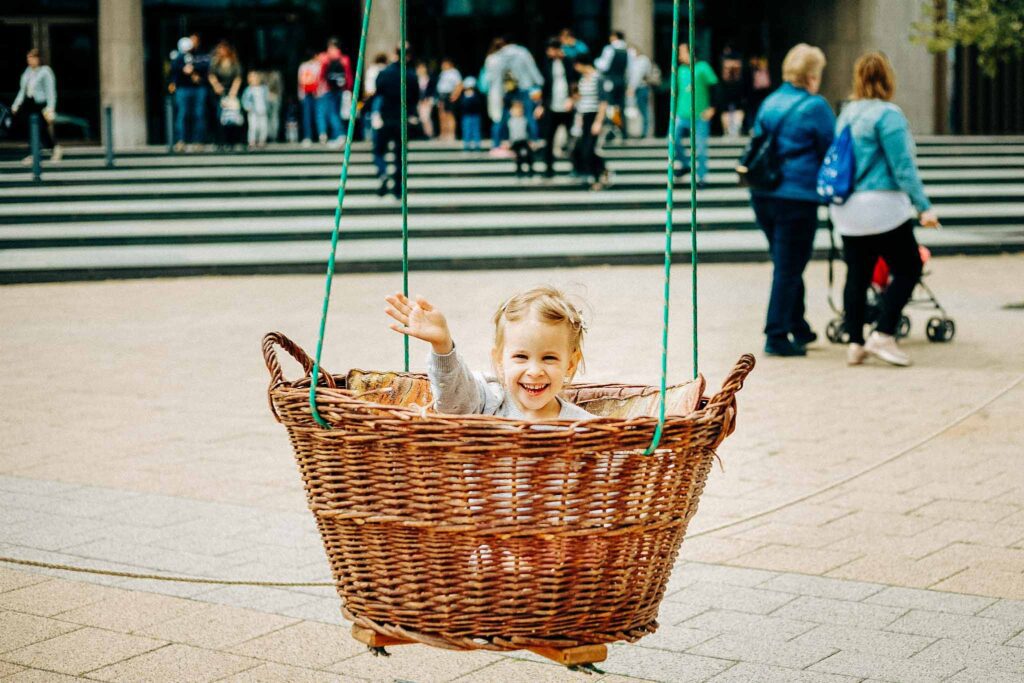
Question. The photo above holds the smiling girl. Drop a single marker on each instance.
(538, 345)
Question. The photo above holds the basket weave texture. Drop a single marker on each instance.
(479, 532)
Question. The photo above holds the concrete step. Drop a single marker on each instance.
(444, 253)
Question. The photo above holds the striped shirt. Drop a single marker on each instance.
(589, 101)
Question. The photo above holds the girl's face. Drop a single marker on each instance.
(535, 364)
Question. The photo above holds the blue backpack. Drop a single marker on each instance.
(836, 175)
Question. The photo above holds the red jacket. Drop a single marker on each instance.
(330, 54)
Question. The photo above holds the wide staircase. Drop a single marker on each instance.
(154, 214)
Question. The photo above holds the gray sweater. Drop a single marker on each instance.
(459, 391)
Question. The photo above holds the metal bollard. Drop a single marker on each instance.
(108, 134)
(169, 122)
(36, 145)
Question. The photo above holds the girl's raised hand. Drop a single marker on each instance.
(420, 320)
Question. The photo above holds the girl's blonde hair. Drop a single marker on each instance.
(551, 306)
(802, 62)
(873, 77)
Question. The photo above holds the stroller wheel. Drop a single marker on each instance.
(903, 329)
(940, 329)
(835, 332)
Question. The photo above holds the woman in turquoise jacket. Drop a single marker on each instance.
(803, 125)
(878, 218)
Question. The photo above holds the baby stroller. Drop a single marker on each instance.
(940, 328)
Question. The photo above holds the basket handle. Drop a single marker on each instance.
(275, 339)
(723, 404)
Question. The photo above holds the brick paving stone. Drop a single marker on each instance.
(710, 573)
(175, 663)
(52, 597)
(41, 676)
(792, 654)
(935, 601)
(913, 547)
(900, 571)
(128, 611)
(217, 627)
(745, 672)
(958, 491)
(1016, 641)
(822, 587)
(279, 673)
(712, 549)
(675, 638)
(737, 598)
(974, 654)
(508, 670)
(890, 523)
(840, 612)
(1009, 611)
(942, 625)
(972, 675)
(980, 557)
(7, 669)
(11, 579)
(966, 510)
(859, 664)
(256, 598)
(324, 610)
(416, 663)
(750, 625)
(871, 641)
(81, 651)
(804, 536)
(787, 559)
(304, 644)
(654, 665)
(876, 501)
(18, 630)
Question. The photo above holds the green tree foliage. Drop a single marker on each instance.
(994, 27)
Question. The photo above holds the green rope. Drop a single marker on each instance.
(353, 113)
(669, 205)
(405, 173)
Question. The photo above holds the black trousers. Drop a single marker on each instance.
(29, 106)
(590, 162)
(524, 157)
(388, 136)
(553, 120)
(789, 225)
(899, 249)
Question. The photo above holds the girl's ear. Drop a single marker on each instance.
(574, 363)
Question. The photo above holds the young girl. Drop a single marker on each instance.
(538, 345)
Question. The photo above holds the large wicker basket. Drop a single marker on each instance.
(470, 531)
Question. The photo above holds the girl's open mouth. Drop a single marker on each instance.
(533, 389)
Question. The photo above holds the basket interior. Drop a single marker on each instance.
(622, 401)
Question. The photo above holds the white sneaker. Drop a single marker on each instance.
(855, 354)
(58, 154)
(884, 346)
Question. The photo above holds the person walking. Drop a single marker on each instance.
(686, 118)
(226, 81)
(190, 72)
(335, 79)
(590, 115)
(614, 65)
(555, 106)
(643, 75)
(802, 123)
(449, 83)
(572, 46)
(380, 62)
(37, 94)
(425, 108)
(877, 220)
(309, 85)
(492, 84)
(387, 119)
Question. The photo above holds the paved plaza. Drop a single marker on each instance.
(867, 524)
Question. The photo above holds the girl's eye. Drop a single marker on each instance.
(519, 356)
(551, 358)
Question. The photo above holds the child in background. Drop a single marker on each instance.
(256, 103)
(519, 139)
(232, 121)
(538, 345)
(470, 106)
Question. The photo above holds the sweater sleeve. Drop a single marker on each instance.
(456, 389)
(898, 147)
(824, 126)
(21, 90)
(50, 85)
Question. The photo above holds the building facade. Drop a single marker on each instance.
(116, 52)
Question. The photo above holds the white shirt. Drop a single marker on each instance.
(559, 87)
(872, 212)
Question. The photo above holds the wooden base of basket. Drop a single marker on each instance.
(568, 656)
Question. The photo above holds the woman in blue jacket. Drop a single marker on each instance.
(878, 218)
(803, 125)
